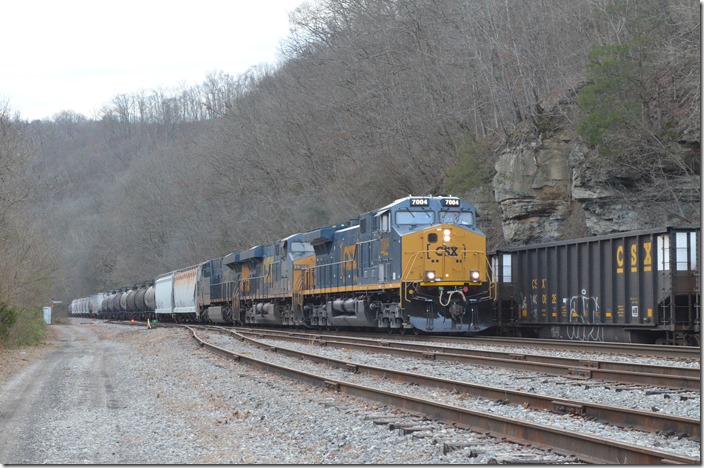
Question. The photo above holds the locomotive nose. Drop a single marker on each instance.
(446, 254)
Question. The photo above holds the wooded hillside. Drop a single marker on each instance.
(377, 99)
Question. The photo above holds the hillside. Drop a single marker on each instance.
(558, 119)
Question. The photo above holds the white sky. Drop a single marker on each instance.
(79, 54)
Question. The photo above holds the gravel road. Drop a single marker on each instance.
(111, 394)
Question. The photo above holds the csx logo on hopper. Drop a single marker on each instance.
(633, 257)
(446, 251)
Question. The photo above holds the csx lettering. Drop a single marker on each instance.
(633, 257)
(348, 256)
(447, 251)
(384, 246)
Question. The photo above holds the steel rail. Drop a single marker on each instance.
(587, 448)
(640, 349)
(689, 379)
(642, 420)
(686, 352)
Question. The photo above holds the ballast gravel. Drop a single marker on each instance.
(170, 402)
(664, 400)
(174, 403)
(673, 402)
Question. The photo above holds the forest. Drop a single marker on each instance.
(374, 100)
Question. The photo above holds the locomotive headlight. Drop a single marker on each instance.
(474, 274)
(446, 235)
(430, 275)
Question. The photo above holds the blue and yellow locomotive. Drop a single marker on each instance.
(418, 263)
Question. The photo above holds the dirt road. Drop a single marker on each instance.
(74, 377)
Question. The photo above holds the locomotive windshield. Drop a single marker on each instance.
(465, 218)
(404, 218)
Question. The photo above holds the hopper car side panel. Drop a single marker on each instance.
(630, 287)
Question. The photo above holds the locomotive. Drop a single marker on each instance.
(417, 264)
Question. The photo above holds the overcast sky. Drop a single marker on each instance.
(79, 54)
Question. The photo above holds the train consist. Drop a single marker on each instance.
(634, 287)
(420, 264)
(416, 264)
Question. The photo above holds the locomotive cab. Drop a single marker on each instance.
(443, 265)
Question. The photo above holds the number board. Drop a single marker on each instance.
(420, 202)
(450, 202)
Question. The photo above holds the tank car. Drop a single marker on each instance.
(150, 301)
(640, 287)
(95, 303)
(122, 304)
(73, 308)
(131, 303)
(114, 306)
(141, 310)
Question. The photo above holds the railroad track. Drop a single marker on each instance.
(587, 448)
(690, 353)
(611, 371)
(642, 374)
(629, 349)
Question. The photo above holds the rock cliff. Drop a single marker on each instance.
(549, 185)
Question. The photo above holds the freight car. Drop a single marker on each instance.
(136, 302)
(640, 287)
(418, 264)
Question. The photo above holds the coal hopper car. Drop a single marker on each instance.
(640, 287)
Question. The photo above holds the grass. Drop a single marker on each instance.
(25, 329)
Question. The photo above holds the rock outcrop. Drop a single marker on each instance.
(549, 185)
